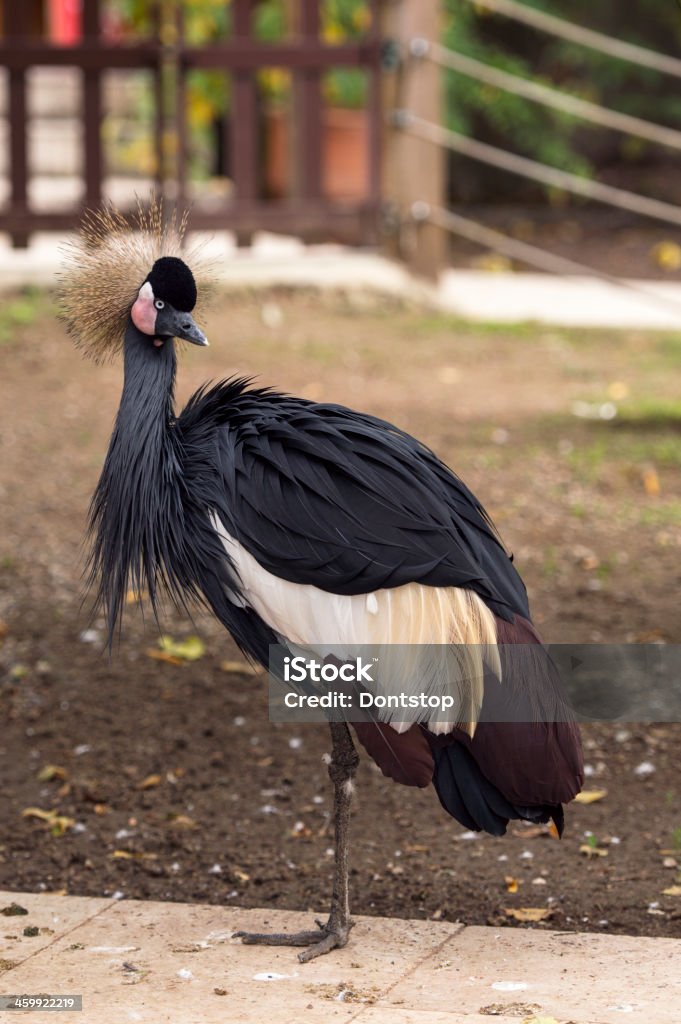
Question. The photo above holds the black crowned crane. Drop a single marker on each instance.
(308, 525)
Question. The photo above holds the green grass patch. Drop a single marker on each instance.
(586, 460)
(669, 347)
(597, 443)
(440, 323)
(650, 412)
(668, 514)
(22, 310)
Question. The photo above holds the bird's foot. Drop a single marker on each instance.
(332, 935)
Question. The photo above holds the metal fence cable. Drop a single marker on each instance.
(530, 254)
(583, 36)
(538, 93)
(532, 169)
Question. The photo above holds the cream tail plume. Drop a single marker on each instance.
(435, 641)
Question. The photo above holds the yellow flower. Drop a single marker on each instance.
(361, 19)
(333, 33)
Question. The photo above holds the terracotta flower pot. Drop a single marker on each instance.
(345, 153)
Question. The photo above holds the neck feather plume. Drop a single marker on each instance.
(136, 510)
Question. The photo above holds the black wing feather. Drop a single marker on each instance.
(322, 495)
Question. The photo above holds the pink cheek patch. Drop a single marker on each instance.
(143, 313)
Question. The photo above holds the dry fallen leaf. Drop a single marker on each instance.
(128, 855)
(651, 481)
(190, 649)
(241, 876)
(149, 782)
(243, 668)
(511, 883)
(56, 822)
(170, 659)
(673, 890)
(592, 851)
(531, 831)
(590, 796)
(135, 596)
(182, 821)
(553, 831)
(51, 771)
(528, 913)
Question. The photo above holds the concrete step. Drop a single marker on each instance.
(169, 963)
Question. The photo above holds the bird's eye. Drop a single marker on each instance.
(159, 303)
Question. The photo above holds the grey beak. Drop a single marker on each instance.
(173, 323)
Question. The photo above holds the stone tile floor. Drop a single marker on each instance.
(177, 963)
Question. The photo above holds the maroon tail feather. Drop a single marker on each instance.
(509, 769)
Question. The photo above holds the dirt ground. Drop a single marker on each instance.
(147, 778)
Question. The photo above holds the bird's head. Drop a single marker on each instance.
(130, 270)
(162, 309)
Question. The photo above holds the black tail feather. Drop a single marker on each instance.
(474, 801)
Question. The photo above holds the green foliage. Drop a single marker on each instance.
(341, 20)
(472, 107)
(18, 312)
(555, 138)
(208, 92)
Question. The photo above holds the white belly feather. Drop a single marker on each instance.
(429, 619)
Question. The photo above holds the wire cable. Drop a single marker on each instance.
(535, 171)
(630, 52)
(530, 254)
(558, 100)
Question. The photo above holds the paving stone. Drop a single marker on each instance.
(606, 979)
(54, 916)
(172, 962)
(392, 1015)
(178, 964)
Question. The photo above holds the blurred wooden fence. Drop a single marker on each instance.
(306, 210)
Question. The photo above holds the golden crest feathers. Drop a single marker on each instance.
(105, 266)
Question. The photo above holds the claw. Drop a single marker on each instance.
(330, 936)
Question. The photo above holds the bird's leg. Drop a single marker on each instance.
(334, 934)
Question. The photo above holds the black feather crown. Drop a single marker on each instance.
(172, 280)
(109, 261)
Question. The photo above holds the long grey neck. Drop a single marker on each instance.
(135, 507)
(147, 401)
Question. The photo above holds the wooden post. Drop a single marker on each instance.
(92, 111)
(243, 128)
(16, 29)
(414, 171)
(306, 115)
